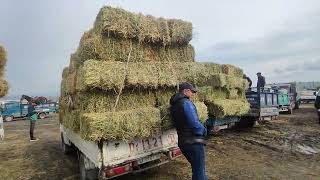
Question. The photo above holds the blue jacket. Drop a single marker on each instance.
(186, 121)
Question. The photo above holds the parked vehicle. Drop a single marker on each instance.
(284, 101)
(109, 159)
(11, 110)
(292, 93)
(307, 96)
(263, 104)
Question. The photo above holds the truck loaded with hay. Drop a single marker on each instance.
(114, 104)
(3, 84)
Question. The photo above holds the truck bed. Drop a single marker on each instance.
(111, 153)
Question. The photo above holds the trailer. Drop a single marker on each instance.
(263, 104)
(110, 159)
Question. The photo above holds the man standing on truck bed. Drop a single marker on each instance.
(317, 104)
(191, 133)
(261, 81)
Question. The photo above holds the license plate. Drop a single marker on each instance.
(148, 158)
(156, 142)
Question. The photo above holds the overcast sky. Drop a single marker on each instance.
(279, 38)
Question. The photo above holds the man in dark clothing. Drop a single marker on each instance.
(317, 104)
(32, 115)
(191, 133)
(261, 81)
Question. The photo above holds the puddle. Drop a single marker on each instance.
(307, 149)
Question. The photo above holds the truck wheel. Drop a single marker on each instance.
(85, 172)
(245, 123)
(66, 149)
(8, 118)
(42, 116)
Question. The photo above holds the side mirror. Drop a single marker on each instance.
(315, 93)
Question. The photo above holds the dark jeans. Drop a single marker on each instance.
(196, 157)
(32, 125)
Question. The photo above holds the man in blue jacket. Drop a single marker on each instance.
(191, 133)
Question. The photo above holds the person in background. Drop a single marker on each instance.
(191, 133)
(32, 115)
(261, 81)
(317, 104)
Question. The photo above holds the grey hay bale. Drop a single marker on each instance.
(144, 29)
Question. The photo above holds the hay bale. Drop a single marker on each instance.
(71, 120)
(74, 63)
(69, 82)
(101, 102)
(180, 31)
(232, 70)
(122, 125)
(212, 93)
(96, 46)
(166, 118)
(145, 29)
(101, 75)
(107, 75)
(4, 87)
(142, 75)
(226, 107)
(3, 57)
(226, 81)
(163, 96)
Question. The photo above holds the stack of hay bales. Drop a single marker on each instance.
(120, 79)
(3, 83)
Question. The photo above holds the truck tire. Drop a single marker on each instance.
(8, 118)
(86, 174)
(66, 149)
(245, 123)
(42, 115)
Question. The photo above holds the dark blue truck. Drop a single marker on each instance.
(11, 110)
(263, 105)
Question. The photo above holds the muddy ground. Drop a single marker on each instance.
(287, 148)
